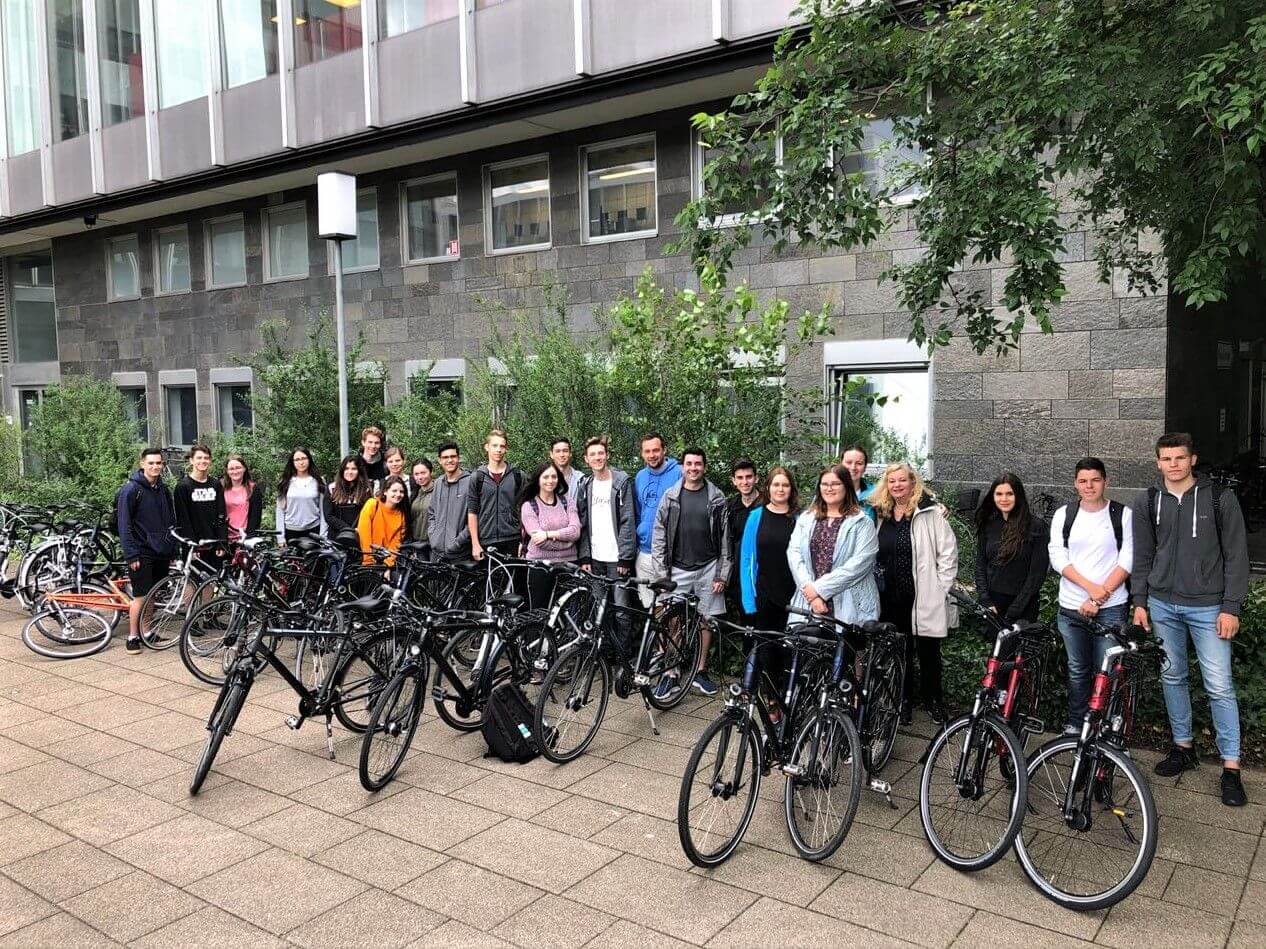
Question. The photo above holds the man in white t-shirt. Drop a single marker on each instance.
(608, 518)
(1092, 549)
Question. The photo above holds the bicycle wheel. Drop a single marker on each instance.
(45, 569)
(360, 680)
(109, 614)
(66, 632)
(821, 801)
(883, 711)
(972, 822)
(391, 727)
(164, 611)
(462, 654)
(718, 790)
(211, 637)
(1099, 856)
(572, 704)
(674, 655)
(219, 725)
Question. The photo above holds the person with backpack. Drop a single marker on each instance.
(492, 505)
(243, 498)
(551, 527)
(146, 514)
(1092, 549)
(1191, 577)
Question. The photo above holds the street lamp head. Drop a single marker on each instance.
(336, 206)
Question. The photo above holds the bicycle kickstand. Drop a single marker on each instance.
(329, 736)
(650, 714)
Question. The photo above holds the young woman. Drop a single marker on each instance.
(918, 560)
(382, 519)
(394, 459)
(1011, 554)
(551, 525)
(300, 498)
(854, 460)
(348, 493)
(766, 584)
(243, 498)
(420, 505)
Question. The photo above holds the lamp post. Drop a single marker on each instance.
(336, 222)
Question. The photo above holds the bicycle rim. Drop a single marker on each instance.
(674, 656)
(461, 652)
(571, 705)
(211, 637)
(163, 613)
(883, 714)
(718, 793)
(821, 801)
(66, 633)
(364, 674)
(391, 727)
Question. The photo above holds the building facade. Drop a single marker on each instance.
(158, 204)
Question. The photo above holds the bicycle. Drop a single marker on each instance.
(71, 624)
(170, 600)
(1080, 784)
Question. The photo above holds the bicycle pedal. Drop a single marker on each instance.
(640, 680)
(792, 770)
(293, 722)
(880, 786)
(437, 693)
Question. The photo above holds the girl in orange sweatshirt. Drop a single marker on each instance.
(382, 521)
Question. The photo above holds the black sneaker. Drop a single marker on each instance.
(134, 644)
(1233, 788)
(1177, 761)
(907, 714)
(938, 712)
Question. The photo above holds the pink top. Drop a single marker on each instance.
(559, 516)
(237, 505)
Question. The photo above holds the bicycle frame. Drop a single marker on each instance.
(118, 599)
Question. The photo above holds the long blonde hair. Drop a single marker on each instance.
(882, 501)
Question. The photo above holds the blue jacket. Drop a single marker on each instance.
(868, 488)
(146, 517)
(850, 583)
(650, 487)
(747, 559)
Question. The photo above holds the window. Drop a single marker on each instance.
(34, 315)
(618, 195)
(123, 266)
(21, 70)
(883, 164)
(517, 205)
(362, 253)
(28, 401)
(119, 43)
(171, 259)
(182, 51)
(740, 208)
(325, 28)
(430, 219)
(136, 410)
(879, 393)
(182, 415)
(69, 68)
(251, 53)
(226, 252)
(285, 242)
(233, 403)
(401, 16)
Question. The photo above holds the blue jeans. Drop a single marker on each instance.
(1085, 655)
(1173, 624)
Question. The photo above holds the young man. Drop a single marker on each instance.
(146, 516)
(1092, 549)
(199, 500)
(745, 500)
(446, 520)
(371, 460)
(1191, 577)
(560, 454)
(649, 485)
(492, 504)
(608, 516)
(691, 545)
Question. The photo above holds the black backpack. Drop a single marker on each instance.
(507, 726)
(1116, 512)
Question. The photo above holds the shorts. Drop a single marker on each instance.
(699, 582)
(147, 574)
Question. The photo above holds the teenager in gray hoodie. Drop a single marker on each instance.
(1190, 578)
(446, 519)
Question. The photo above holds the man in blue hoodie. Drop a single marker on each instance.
(660, 474)
(146, 516)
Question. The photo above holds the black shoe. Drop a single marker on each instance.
(134, 644)
(1233, 788)
(907, 714)
(1177, 761)
(940, 714)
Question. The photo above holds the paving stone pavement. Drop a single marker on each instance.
(100, 843)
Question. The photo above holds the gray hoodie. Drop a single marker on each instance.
(1177, 555)
(446, 520)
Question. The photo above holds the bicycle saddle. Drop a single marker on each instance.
(509, 601)
(875, 628)
(304, 545)
(41, 527)
(376, 602)
(664, 586)
(413, 547)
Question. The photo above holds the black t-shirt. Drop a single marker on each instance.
(200, 512)
(775, 586)
(694, 547)
(896, 556)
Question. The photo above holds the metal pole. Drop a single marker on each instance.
(341, 333)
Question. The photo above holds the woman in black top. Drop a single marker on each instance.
(347, 495)
(766, 583)
(1011, 554)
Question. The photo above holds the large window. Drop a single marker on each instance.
(517, 204)
(401, 16)
(362, 253)
(33, 314)
(619, 189)
(171, 259)
(740, 207)
(883, 164)
(69, 68)
(123, 267)
(233, 407)
(182, 415)
(325, 28)
(226, 252)
(285, 242)
(430, 219)
(136, 410)
(879, 393)
(21, 71)
(249, 28)
(122, 90)
(182, 51)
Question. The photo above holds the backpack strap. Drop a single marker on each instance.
(1116, 514)
(1153, 497)
(1217, 512)
(1070, 515)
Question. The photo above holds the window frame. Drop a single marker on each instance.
(156, 240)
(364, 268)
(112, 294)
(168, 389)
(406, 260)
(489, 250)
(216, 387)
(208, 250)
(900, 201)
(733, 219)
(583, 163)
(442, 372)
(129, 394)
(266, 241)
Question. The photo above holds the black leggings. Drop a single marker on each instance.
(925, 649)
(770, 657)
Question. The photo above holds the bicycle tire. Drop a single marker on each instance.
(1000, 833)
(584, 679)
(460, 656)
(356, 698)
(219, 725)
(204, 650)
(883, 715)
(830, 739)
(392, 719)
(727, 726)
(683, 656)
(55, 643)
(164, 606)
(1036, 823)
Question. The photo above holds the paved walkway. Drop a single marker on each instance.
(100, 843)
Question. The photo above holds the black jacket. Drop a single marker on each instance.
(146, 517)
(1020, 577)
(495, 506)
(200, 513)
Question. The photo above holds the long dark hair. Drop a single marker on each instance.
(283, 486)
(359, 491)
(1016, 528)
(848, 504)
(532, 487)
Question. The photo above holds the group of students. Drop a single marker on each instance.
(860, 550)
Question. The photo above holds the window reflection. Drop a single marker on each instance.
(325, 28)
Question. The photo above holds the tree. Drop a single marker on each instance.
(1142, 119)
